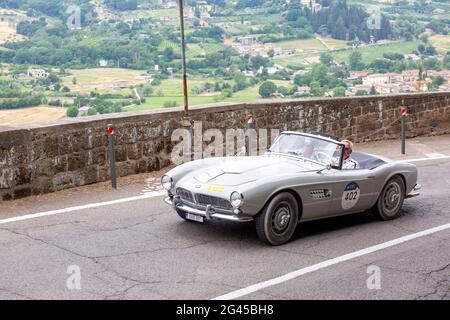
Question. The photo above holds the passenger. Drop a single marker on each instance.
(348, 162)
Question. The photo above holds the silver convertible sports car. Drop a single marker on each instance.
(300, 178)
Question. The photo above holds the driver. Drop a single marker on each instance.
(348, 162)
(308, 152)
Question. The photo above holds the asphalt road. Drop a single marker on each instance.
(141, 249)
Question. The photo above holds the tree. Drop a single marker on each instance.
(431, 64)
(446, 61)
(326, 58)
(240, 82)
(267, 88)
(316, 89)
(430, 51)
(355, 61)
(91, 112)
(424, 38)
(147, 91)
(72, 112)
(393, 56)
(360, 92)
(339, 92)
(283, 90)
(438, 81)
(381, 65)
(421, 48)
(339, 31)
(74, 80)
(373, 91)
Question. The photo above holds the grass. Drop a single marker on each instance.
(370, 53)
(296, 60)
(306, 45)
(174, 87)
(173, 91)
(331, 43)
(158, 102)
(201, 49)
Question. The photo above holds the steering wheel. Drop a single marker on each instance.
(323, 157)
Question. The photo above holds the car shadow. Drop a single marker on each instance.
(232, 231)
(327, 225)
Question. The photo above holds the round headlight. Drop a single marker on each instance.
(166, 182)
(236, 199)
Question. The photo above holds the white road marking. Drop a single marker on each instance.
(424, 159)
(82, 207)
(295, 274)
(434, 155)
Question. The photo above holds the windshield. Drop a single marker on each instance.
(310, 148)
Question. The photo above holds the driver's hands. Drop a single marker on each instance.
(334, 161)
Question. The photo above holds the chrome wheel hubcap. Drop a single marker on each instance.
(281, 219)
(391, 199)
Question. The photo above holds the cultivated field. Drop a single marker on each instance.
(8, 18)
(301, 45)
(307, 52)
(40, 114)
(441, 42)
(104, 80)
(331, 43)
(372, 52)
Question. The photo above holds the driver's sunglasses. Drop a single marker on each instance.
(346, 149)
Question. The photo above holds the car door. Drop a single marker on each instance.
(353, 191)
(317, 195)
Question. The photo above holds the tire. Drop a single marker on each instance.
(390, 200)
(276, 224)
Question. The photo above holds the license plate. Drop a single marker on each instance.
(193, 217)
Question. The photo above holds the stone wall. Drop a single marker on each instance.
(40, 159)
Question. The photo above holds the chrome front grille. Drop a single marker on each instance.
(185, 195)
(204, 200)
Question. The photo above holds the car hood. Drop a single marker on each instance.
(240, 170)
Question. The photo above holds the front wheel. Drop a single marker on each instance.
(277, 222)
(391, 199)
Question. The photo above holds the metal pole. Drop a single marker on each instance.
(249, 126)
(402, 133)
(183, 63)
(112, 156)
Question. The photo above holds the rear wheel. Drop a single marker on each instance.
(277, 222)
(391, 199)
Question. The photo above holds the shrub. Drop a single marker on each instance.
(72, 112)
(170, 104)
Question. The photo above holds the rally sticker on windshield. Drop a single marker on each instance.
(350, 196)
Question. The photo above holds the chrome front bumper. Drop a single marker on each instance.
(207, 214)
(415, 191)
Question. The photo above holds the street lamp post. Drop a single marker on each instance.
(186, 121)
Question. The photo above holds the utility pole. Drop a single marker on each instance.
(186, 120)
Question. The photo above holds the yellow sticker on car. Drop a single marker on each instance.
(215, 188)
